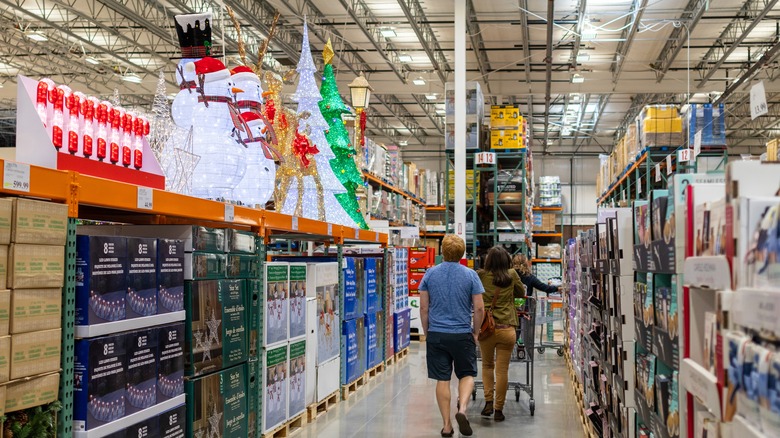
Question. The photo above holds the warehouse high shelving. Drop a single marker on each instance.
(90, 197)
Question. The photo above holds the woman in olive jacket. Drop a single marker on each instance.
(502, 285)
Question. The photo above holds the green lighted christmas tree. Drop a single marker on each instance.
(332, 107)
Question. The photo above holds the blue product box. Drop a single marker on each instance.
(141, 277)
(351, 309)
(170, 365)
(172, 423)
(349, 341)
(141, 369)
(373, 302)
(372, 337)
(101, 279)
(99, 396)
(402, 334)
(170, 275)
(360, 330)
(148, 428)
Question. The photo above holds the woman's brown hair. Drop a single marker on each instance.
(498, 262)
(520, 262)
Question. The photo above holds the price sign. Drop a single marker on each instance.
(485, 157)
(696, 144)
(658, 172)
(230, 213)
(668, 164)
(376, 236)
(357, 233)
(330, 229)
(684, 155)
(16, 176)
(295, 223)
(758, 106)
(638, 186)
(145, 198)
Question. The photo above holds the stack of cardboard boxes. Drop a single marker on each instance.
(322, 331)
(506, 128)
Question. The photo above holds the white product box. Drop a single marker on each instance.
(276, 304)
(415, 322)
(311, 351)
(327, 378)
(297, 301)
(275, 391)
(297, 381)
(323, 285)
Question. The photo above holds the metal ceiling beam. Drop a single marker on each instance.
(584, 102)
(689, 18)
(578, 35)
(478, 44)
(766, 58)
(523, 5)
(430, 110)
(427, 38)
(627, 37)
(750, 15)
(548, 77)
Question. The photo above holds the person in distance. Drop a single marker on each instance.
(523, 268)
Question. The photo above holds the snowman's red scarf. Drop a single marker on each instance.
(205, 99)
(255, 106)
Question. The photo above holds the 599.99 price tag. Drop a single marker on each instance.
(145, 198)
(16, 176)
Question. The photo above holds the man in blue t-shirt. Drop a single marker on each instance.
(451, 312)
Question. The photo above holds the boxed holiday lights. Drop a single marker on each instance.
(372, 300)
(147, 428)
(275, 381)
(141, 298)
(217, 403)
(323, 281)
(352, 305)
(101, 279)
(172, 423)
(204, 266)
(141, 367)
(32, 266)
(243, 242)
(276, 303)
(170, 275)
(29, 393)
(243, 266)
(216, 331)
(254, 404)
(39, 222)
(401, 334)
(297, 305)
(5, 311)
(297, 381)
(6, 218)
(35, 353)
(34, 309)
(254, 296)
(5, 358)
(349, 340)
(3, 265)
(373, 355)
(100, 381)
(195, 238)
(170, 361)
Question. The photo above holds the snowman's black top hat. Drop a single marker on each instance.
(194, 32)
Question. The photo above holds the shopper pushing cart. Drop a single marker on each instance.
(550, 306)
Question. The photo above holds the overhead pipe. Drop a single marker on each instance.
(548, 78)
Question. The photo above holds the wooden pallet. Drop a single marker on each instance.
(288, 428)
(317, 409)
(373, 372)
(416, 336)
(402, 354)
(390, 360)
(348, 390)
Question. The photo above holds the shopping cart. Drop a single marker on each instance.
(524, 353)
(549, 311)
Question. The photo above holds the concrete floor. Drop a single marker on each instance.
(401, 402)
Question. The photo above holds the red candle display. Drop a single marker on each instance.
(127, 138)
(102, 115)
(42, 99)
(115, 118)
(73, 104)
(140, 125)
(57, 100)
(87, 127)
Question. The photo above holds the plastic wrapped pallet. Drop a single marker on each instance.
(710, 120)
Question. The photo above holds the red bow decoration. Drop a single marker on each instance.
(363, 128)
(270, 109)
(302, 148)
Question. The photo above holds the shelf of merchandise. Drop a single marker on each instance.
(549, 236)
(381, 183)
(95, 198)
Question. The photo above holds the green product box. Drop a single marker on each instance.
(255, 396)
(254, 295)
(243, 266)
(297, 380)
(297, 300)
(205, 266)
(208, 239)
(217, 403)
(276, 303)
(241, 242)
(216, 325)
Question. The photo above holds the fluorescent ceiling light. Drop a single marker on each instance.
(589, 34)
(583, 57)
(92, 60)
(405, 58)
(418, 81)
(36, 36)
(403, 143)
(440, 112)
(132, 77)
(431, 96)
(577, 79)
(388, 33)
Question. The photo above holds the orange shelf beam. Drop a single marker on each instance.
(548, 234)
(426, 234)
(390, 188)
(623, 178)
(546, 261)
(548, 208)
(435, 208)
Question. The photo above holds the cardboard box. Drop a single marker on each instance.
(5, 359)
(6, 218)
(100, 381)
(241, 242)
(243, 266)
(353, 288)
(35, 353)
(39, 222)
(33, 266)
(30, 393)
(170, 275)
(3, 265)
(170, 361)
(254, 399)
(550, 251)
(297, 315)
(173, 423)
(275, 380)
(205, 266)
(101, 279)
(402, 334)
(5, 311)
(297, 394)
(146, 428)
(373, 356)
(195, 238)
(360, 324)
(216, 325)
(276, 304)
(311, 351)
(327, 311)
(349, 340)
(141, 368)
(35, 309)
(327, 378)
(510, 138)
(505, 116)
(141, 297)
(254, 296)
(217, 403)
(373, 300)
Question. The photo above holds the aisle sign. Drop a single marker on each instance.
(485, 157)
(658, 172)
(16, 176)
(684, 155)
(230, 213)
(145, 198)
(758, 105)
(696, 144)
(669, 164)
(410, 232)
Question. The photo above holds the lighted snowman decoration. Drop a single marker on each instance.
(257, 186)
(186, 99)
(222, 160)
(251, 96)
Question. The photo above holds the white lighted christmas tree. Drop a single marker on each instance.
(307, 95)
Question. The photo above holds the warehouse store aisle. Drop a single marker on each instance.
(401, 403)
